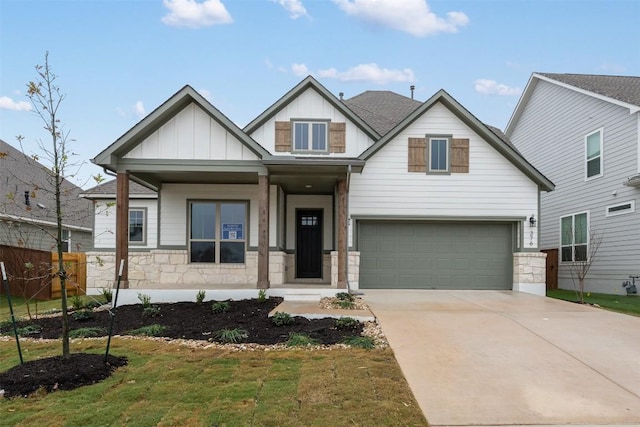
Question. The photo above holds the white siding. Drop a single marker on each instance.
(310, 105)
(298, 201)
(105, 223)
(191, 134)
(494, 188)
(550, 133)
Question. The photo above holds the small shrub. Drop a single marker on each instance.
(345, 296)
(220, 307)
(367, 343)
(200, 296)
(145, 299)
(81, 315)
(107, 294)
(346, 323)
(282, 319)
(231, 336)
(92, 304)
(300, 340)
(262, 295)
(29, 330)
(86, 332)
(76, 302)
(5, 323)
(344, 304)
(150, 330)
(150, 311)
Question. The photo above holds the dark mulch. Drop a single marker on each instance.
(183, 320)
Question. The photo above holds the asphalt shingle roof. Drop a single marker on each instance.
(382, 110)
(621, 88)
(19, 173)
(110, 187)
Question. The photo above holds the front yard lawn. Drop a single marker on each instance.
(619, 303)
(171, 384)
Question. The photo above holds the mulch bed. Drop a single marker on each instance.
(182, 320)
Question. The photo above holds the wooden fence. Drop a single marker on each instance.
(31, 273)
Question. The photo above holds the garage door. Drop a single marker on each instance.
(420, 255)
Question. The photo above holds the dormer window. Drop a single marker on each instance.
(310, 136)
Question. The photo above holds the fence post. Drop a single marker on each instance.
(13, 318)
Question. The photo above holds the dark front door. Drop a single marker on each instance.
(309, 243)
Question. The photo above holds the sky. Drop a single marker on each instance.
(116, 61)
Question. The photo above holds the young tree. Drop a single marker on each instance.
(582, 261)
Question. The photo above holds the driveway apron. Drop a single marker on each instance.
(507, 358)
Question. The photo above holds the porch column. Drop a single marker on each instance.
(122, 226)
(263, 232)
(342, 234)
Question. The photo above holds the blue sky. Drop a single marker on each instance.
(118, 60)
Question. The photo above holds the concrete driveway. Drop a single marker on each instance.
(482, 358)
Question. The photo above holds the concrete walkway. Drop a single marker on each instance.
(483, 358)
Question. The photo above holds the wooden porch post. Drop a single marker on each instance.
(342, 233)
(122, 226)
(263, 232)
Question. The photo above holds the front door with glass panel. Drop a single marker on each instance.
(309, 243)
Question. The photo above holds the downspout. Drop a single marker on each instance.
(348, 217)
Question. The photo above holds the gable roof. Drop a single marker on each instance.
(382, 110)
(497, 141)
(620, 90)
(309, 83)
(162, 115)
(20, 173)
(109, 189)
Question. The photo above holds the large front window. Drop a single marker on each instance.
(310, 136)
(217, 232)
(575, 237)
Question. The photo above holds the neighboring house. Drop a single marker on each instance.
(28, 207)
(377, 191)
(143, 216)
(583, 133)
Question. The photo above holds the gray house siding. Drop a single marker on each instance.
(15, 233)
(551, 135)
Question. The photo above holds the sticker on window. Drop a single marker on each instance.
(232, 232)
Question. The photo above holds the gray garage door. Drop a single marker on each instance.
(421, 255)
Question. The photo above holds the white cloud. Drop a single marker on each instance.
(139, 110)
(7, 103)
(613, 68)
(294, 7)
(300, 70)
(411, 16)
(194, 14)
(491, 87)
(370, 73)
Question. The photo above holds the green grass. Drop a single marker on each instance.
(36, 307)
(618, 303)
(171, 385)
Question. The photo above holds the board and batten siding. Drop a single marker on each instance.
(105, 223)
(174, 209)
(303, 201)
(551, 135)
(310, 105)
(191, 134)
(494, 188)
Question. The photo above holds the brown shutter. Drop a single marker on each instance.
(417, 155)
(337, 137)
(283, 136)
(459, 155)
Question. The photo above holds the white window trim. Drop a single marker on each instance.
(573, 244)
(309, 148)
(631, 209)
(144, 226)
(67, 240)
(446, 171)
(586, 160)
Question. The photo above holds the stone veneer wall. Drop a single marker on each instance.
(353, 269)
(529, 272)
(170, 269)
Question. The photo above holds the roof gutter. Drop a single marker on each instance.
(42, 222)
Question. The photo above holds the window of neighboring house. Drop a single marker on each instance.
(66, 240)
(438, 152)
(593, 143)
(574, 231)
(217, 232)
(137, 226)
(310, 136)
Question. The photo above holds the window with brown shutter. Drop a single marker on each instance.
(283, 136)
(337, 137)
(459, 155)
(417, 157)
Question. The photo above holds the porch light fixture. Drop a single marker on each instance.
(532, 221)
